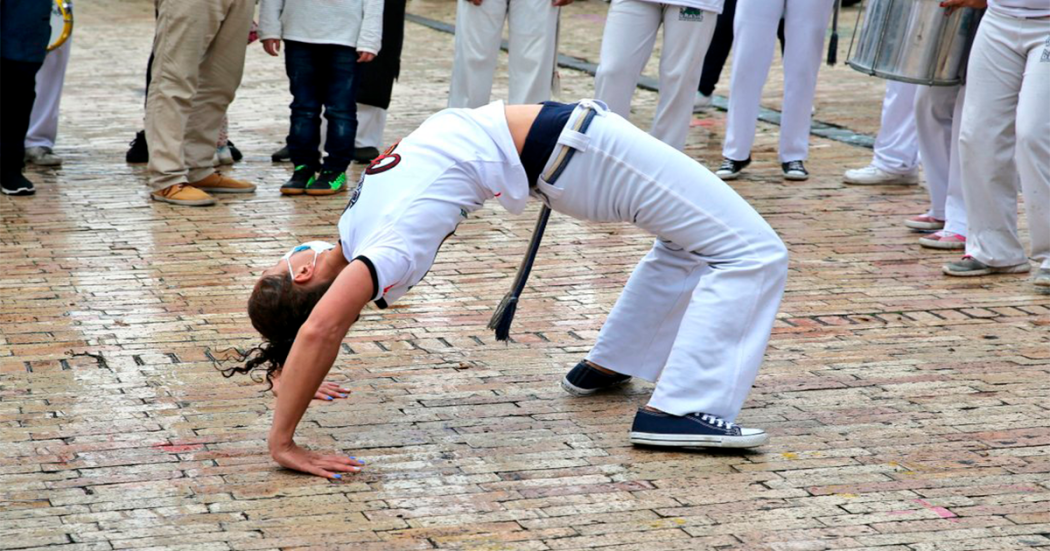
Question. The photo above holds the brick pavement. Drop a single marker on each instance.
(908, 411)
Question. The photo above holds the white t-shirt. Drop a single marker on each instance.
(409, 201)
(1021, 8)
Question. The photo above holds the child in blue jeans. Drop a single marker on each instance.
(324, 42)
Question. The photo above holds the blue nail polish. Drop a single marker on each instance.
(351, 457)
(342, 395)
(337, 476)
(327, 397)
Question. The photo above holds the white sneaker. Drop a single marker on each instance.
(42, 156)
(224, 156)
(873, 175)
(702, 102)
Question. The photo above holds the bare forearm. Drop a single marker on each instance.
(308, 363)
(315, 349)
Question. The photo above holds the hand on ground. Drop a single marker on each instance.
(305, 461)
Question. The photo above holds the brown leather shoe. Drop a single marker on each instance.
(182, 194)
(217, 183)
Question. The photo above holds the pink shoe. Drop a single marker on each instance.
(924, 222)
(943, 240)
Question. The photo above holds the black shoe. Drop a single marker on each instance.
(328, 182)
(730, 169)
(655, 428)
(365, 154)
(583, 380)
(794, 170)
(234, 152)
(281, 155)
(302, 177)
(16, 184)
(139, 151)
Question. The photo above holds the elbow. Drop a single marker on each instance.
(320, 333)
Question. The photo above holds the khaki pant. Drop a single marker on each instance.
(198, 61)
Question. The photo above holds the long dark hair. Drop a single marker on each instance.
(277, 308)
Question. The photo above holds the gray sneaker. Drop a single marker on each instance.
(1042, 279)
(42, 156)
(970, 266)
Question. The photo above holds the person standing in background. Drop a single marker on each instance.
(533, 48)
(938, 110)
(194, 79)
(754, 29)
(717, 54)
(1005, 137)
(896, 159)
(25, 27)
(377, 84)
(325, 43)
(630, 32)
(43, 121)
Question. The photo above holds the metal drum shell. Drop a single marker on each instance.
(914, 41)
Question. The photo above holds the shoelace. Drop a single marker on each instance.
(728, 164)
(717, 421)
(172, 190)
(796, 165)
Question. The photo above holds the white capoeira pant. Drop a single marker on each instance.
(43, 121)
(630, 33)
(938, 114)
(755, 36)
(697, 312)
(897, 144)
(371, 122)
(532, 44)
(1006, 123)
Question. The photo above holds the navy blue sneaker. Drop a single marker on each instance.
(696, 430)
(584, 380)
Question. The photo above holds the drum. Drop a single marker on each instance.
(61, 23)
(914, 41)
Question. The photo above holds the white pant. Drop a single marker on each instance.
(371, 121)
(1005, 123)
(755, 37)
(938, 113)
(897, 144)
(630, 32)
(697, 312)
(43, 121)
(533, 42)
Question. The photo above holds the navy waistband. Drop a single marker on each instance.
(543, 137)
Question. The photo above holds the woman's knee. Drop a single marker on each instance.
(1033, 137)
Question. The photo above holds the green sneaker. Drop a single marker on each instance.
(301, 178)
(329, 182)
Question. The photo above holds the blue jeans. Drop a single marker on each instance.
(322, 75)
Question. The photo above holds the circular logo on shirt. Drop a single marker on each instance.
(383, 163)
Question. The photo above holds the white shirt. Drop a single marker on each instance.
(1021, 8)
(354, 23)
(408, 202)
